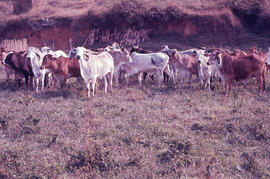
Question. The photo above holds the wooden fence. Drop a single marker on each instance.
(14, 44)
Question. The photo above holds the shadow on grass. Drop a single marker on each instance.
(9, 86)
(55, 93)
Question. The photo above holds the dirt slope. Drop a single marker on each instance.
(226, 23)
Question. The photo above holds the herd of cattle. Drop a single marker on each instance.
(47, 66)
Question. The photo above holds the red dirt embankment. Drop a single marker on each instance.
(231, 24)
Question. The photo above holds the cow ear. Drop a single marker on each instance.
(86, 57)
(219, 60)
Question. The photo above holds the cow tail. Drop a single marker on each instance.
(153, 61)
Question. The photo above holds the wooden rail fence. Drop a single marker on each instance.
(14, 44)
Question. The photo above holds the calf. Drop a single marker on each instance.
(185, 63)
(62, 68)
(238, 68)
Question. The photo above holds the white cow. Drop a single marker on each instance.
(36, 57)
(205, 70)
(55, 54)
(150, 63)
(95, 66)
(120, 57)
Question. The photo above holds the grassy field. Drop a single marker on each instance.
(137, 132)
(134, 132)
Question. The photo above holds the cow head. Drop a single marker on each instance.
(215, 58)
(7, 57)
(170, 52)
(46, 50)
(115, 45)
(76, 53)
(47, 61)
(126, 55)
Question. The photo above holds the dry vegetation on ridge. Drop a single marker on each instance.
(134, 132)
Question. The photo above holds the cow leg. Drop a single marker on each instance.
(263, 79)
(105, 84)
(32, 82)
(116, 77)
(26, 81)
(8, 77)
(144, 76)
(93, 87)
(19, 80)
(165, 77)
(260, 82)
(140, 79)
(208, 82)
(88, 89)
(111, 81)
(126, 77)
(44, 80)
(79, 81)
(160, 75)
(168, 73)
(37, 83)
(64, 82)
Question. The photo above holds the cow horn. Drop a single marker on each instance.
(219, 61)
(70, 43)
(53, 47)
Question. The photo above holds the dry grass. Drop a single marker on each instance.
(134, 132)
(69, 8)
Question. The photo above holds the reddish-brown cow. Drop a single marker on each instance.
(186, 64)
(62, 68)
(238, 68)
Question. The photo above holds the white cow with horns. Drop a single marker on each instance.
(93, 66)
(150, 63)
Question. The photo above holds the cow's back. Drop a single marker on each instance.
(241, 67)
(185, 61)
(65, 66)
(73, 67)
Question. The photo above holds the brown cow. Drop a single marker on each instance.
(9, 71)
(62, 68)
(238, 68)
(185, 63)
(21, 65)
